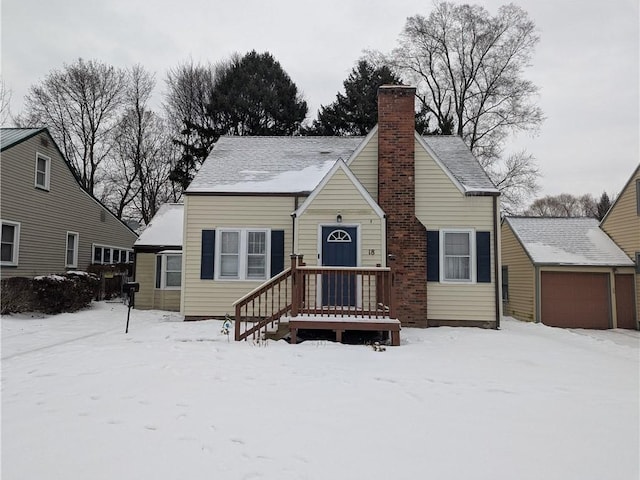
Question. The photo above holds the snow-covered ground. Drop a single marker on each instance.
(170, 400)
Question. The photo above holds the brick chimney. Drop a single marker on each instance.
(406, 237)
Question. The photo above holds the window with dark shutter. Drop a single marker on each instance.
(433, 255)
(483, 257)
(277, 252)
(207, 255)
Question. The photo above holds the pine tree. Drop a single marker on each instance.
(603, 205)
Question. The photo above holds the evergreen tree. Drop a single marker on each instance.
(603, 206)
(356, 111)
(253, 95)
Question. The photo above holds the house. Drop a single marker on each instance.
(622, 224)
(49, 222)
(417, 211)
(158, 266)
(566, 272)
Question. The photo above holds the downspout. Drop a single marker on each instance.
(293, 224)
(538, 286)
(496, 261)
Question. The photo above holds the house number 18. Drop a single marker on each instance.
(372, 252)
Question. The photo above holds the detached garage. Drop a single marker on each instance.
(566, 272)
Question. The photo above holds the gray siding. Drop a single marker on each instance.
(45, 217)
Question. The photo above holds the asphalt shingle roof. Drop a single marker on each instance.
(270, 164)
(567, 241)
(298, 164)
(461, 163)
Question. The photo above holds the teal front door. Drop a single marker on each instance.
(339, 249)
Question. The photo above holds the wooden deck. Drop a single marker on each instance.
(342, 324)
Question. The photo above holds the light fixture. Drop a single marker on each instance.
(339, 218)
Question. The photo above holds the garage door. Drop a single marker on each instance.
(575, 300)
(625, 301)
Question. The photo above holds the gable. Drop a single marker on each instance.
(440, 199)
(622, 221)
(340, 191)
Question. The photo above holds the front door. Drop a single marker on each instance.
(339, 249)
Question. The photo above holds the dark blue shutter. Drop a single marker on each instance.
(158, 271)
(483, 257)
(277, 252)
(433, 256)
(208, 253)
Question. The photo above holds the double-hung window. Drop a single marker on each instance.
(71, 260)
(457, 253)
(43, 171)
(242, 254)
(10, 242)
(168, 270)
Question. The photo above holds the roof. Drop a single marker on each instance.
(298, 164)
(12, 136)
(165, 228)
(270, 164)
(567, 241)
(458, 159)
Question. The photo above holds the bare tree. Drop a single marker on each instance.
(516, 178)
(189, 94)
(468, 69)
(564, 205)
(5, 103)
(140, 160)
(80, 105)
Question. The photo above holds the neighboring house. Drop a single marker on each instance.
(422, 206)
(566, 272)
(49, 222)
(622, 224)
(158, 267)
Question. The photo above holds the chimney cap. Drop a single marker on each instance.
(396, 87)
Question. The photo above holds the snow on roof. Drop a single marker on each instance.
(165, 228)
(270, 164)
(458, 159)
(567, 241)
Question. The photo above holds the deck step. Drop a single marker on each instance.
(278, 333)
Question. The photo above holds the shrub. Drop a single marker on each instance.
(16, 295)
(68, 292)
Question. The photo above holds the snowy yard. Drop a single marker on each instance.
(169, 400)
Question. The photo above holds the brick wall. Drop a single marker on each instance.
(406, 237)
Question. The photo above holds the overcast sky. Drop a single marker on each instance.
(586, 63)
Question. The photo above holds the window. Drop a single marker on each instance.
(230, 255)
(72, 250)
(457, 253)
(43, 171)
(168, 270)
(256, 254)
(10, 242)
(242, 254)
(105, 255)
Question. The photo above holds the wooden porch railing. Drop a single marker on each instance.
(318, 291)
(262, 307)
